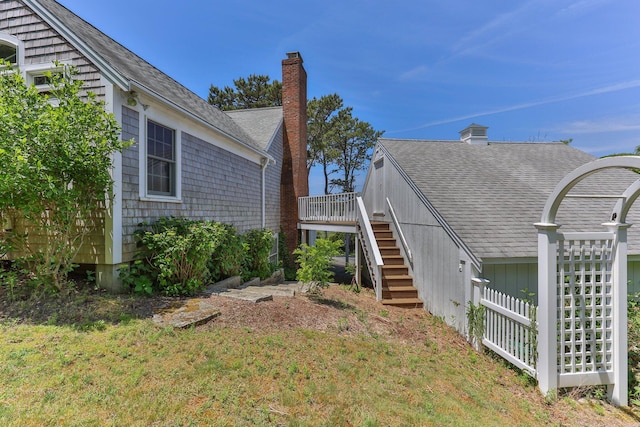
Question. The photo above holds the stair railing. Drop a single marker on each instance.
(374, 260)
(403, 240)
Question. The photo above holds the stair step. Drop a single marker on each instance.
(381, 234)
(396, 280)
(393, 259)
(389, 250)
(400, 288)
(386, 242)
(399, 292)
(403, 302)
(394, 270)
(380, 226)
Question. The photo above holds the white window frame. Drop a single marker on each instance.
(167, 122)
(30, 72)
(9, 40)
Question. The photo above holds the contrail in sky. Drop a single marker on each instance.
(606, 89)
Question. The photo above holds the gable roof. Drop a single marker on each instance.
(491, 195)
(260, 123)
(129, 71)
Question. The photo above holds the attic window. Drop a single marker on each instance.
(11, 49)
(42, 75)
(8, 53)
(41, 80)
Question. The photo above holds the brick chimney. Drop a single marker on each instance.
(294, 182)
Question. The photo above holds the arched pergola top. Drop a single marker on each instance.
(569, 181)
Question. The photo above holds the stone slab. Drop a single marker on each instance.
(192, 312)
(246, 295)
(271, 290)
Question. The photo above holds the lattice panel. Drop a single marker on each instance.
(585, 312)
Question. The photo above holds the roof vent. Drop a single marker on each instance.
(474, 134)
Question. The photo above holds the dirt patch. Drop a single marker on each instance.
(336, 309)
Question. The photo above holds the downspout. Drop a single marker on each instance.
(264, 163)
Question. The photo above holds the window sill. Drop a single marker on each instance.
(161, 199)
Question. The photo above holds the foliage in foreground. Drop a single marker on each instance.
(55, 157)
(315, 262)
(179, 256)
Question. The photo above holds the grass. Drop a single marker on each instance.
(129, 372)
(135, 374)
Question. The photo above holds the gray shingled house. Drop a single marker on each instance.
(189, 158)
(467, 207)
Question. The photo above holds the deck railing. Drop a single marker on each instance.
(329, 208)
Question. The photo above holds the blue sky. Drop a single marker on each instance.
(538, 70)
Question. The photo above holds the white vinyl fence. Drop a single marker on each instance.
(510, 328)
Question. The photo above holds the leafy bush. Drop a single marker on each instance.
(182, 258)
(177, 252)
(56, 162)
(315, 262)
(179, 256)
(633, 314)
(228, 257)
(258, 244)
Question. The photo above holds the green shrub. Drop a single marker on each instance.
(315, 262)
(633, 314)
(258, 244)
(181, 259)
(175, 257)
(228, 257)
(179, 256)
(56, 161)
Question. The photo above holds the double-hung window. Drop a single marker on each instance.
(161, 160)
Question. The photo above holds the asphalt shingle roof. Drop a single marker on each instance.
(491, 195)
(260, 123)
(135, 69)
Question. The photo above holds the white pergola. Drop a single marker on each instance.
(582, 287)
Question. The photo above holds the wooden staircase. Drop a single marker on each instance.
(397, 284)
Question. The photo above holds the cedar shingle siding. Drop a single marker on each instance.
(216, 185)
(42, 45)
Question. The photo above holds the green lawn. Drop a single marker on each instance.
(130, 372)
